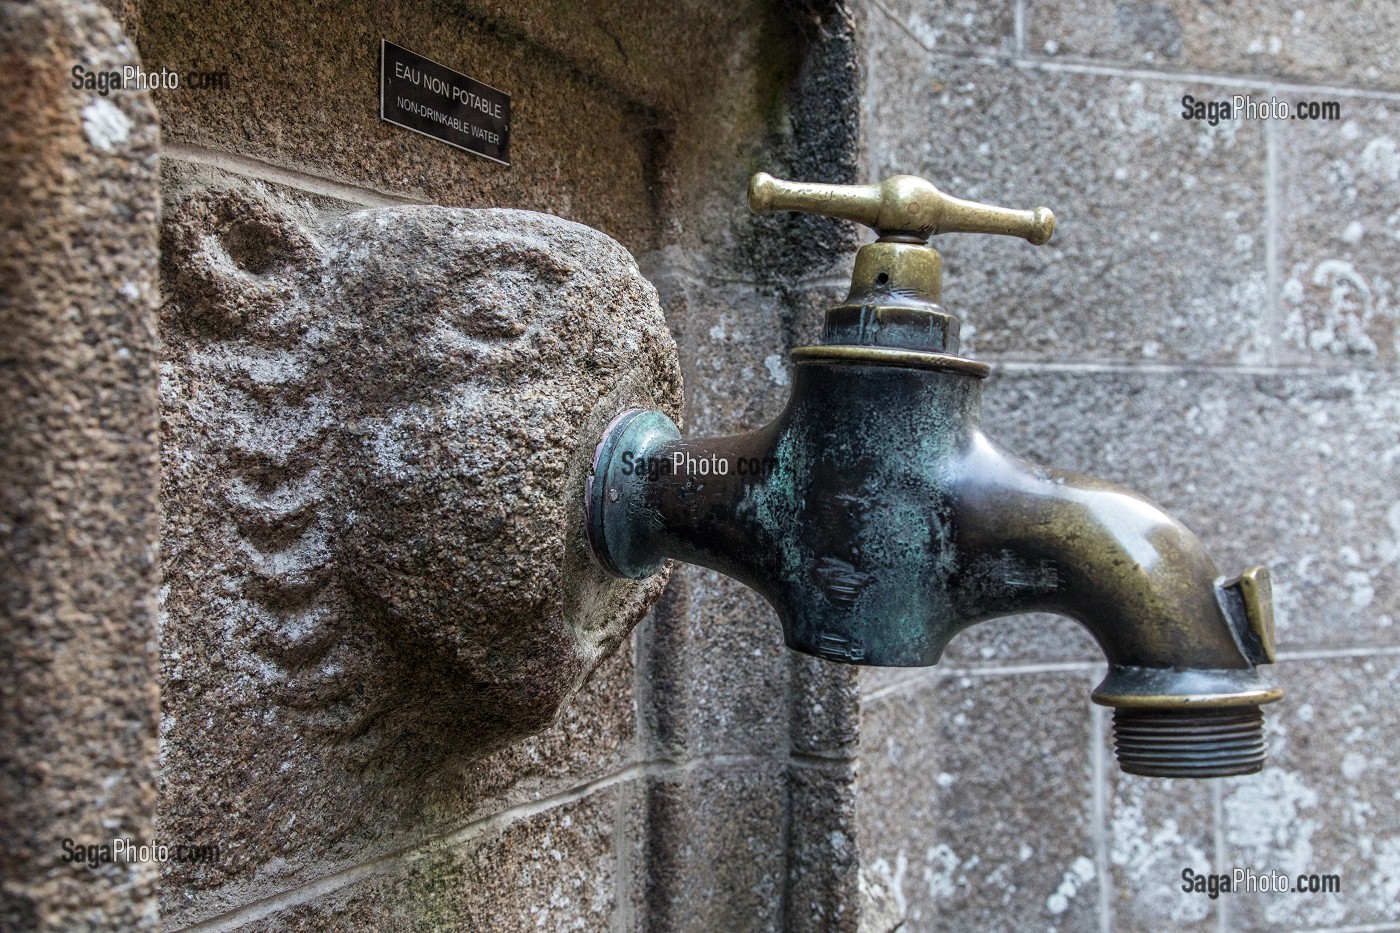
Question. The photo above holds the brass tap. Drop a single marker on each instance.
(885, 521)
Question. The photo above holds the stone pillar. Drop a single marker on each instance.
(79, 472)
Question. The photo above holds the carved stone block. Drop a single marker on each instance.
(377, 428)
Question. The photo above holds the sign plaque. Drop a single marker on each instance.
(420, 95)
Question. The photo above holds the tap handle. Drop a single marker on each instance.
(901, 205)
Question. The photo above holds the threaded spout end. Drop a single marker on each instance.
(1190, 743)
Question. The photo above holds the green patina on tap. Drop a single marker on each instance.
(879, 521)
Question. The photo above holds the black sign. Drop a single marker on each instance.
(421, 95)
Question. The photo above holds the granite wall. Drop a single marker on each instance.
(1215, 325)
(79, 446)
(702, 777)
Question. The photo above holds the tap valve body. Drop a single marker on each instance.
(879, 521)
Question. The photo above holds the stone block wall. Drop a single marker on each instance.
(1214, 324)
(79, 456)
(701, 778)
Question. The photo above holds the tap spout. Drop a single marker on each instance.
(1183, 642)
